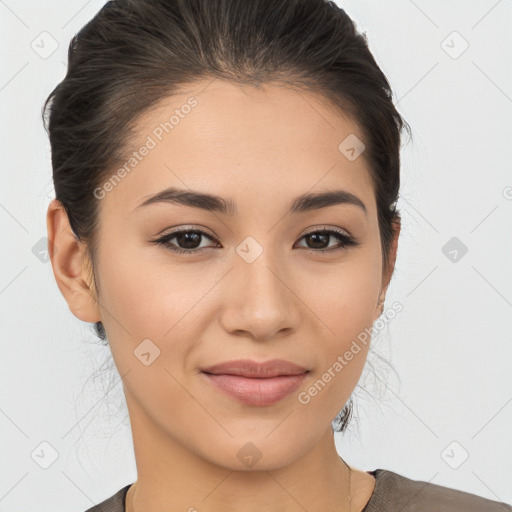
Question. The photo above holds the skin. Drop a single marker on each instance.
(259, 147)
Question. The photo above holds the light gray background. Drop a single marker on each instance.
(451, 345)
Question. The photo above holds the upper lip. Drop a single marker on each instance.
(253, 369)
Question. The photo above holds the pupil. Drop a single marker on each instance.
(316, 236)
(188, 237)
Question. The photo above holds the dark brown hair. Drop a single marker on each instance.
(133, 53)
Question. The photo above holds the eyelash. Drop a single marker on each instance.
(347, 240)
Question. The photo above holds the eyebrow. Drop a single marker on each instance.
(212, 203)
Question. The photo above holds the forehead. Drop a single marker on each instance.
(231, 140)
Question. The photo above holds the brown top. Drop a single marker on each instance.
(392, 493)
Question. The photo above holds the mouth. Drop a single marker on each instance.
(255, 369)
(259, 392)
(256, 384)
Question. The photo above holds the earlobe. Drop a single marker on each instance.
(397, 226)
(70, 265)
(379, 309)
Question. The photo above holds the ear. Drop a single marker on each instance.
(387, 273)
(71, 267)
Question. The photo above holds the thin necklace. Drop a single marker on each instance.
(349, 484)
(132, 488)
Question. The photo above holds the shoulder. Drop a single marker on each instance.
(397, 492)
(115, 503)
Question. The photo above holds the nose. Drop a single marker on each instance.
(261, 302)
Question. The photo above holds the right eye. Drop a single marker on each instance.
(187, 237)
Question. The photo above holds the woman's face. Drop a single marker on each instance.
(255, 287)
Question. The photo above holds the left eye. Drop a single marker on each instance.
(324, 234)
(190, 238)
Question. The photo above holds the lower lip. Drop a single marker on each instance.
(258, 392)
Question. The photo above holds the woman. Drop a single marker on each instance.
(226, 177)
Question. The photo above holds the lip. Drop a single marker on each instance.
(254, 369)
(253, 383)
(256, 391)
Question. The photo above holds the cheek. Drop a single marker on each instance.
(145, 295)
(344, 295)
(344, 300)
(144, 291)
(142, 301)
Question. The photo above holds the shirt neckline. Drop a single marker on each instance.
(373, 501)
(370, 504)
